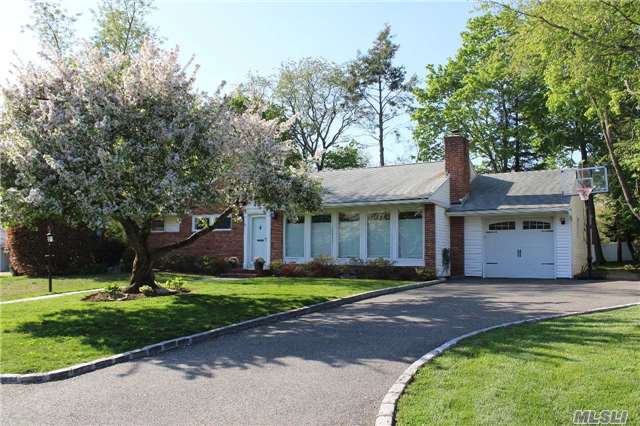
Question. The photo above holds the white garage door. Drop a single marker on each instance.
(519, 249)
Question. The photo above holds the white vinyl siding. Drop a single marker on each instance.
(442, 240)
(563, 246)
(473, 246)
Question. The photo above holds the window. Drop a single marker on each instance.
(199, 222)
(410, 233)
(157, 225)
(535, 224)
(321, 235)
(349, 235)
(378, 235)
(294, 237)
(502, 226)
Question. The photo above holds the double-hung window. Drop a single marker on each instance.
(294, 237)
(349, 235)
(321, 235)
(410, 235)
(378, 235)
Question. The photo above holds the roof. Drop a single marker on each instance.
(519, 190)
(408, 182)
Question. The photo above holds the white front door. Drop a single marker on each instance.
(258, 238)
(519, 252)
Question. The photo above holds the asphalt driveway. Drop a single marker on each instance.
(329, 368)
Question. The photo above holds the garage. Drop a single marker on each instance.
(519, 249)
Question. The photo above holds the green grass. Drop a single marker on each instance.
(12, 288)
(49, 334)
(534, 374)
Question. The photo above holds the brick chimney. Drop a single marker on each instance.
(456, 163)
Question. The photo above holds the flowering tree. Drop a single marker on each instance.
(127, 138)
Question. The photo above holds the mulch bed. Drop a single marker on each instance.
(123, 297)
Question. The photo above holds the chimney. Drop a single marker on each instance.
(456, 164)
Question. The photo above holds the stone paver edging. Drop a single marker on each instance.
(387, 411)
(156, 348)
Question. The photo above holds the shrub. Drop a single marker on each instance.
(176, 283)
(276, 267)
(211, 265)
(232, 262)
(292, 270)
(321, 266)
(75, 250)
(147, 290)
(425, 274)
(632, 268)
(113, 290)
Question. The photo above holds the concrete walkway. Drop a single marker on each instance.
(330, 368)
(49, 296)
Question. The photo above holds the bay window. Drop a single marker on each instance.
(349, 235)
(378, 235)
(410, 234)
(294, 237)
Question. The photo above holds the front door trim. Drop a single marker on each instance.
(250, 213)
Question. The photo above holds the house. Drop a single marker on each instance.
(515, 225)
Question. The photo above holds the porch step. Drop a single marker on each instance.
(239, 274)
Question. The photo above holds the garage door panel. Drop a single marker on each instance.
(519, 253)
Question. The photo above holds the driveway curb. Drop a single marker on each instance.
(156, 348)
(388, 407)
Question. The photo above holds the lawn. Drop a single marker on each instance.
(12, 288)
(49, 334)
(536, 374)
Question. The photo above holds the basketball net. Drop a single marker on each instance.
(584, 192)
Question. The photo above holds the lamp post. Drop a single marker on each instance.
(48, 256)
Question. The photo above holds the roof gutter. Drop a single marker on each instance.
(370, 203)
(532, 210)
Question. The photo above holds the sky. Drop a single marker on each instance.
(229, 39)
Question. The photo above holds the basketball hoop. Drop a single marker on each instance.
(584, 192)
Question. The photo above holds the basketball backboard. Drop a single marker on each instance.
(592, 180)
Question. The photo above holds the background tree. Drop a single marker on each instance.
(53, 26)
(382, 88)
(501, 109)
(313, 93)
(121, 25)
(350, 156)
(128, 138)
(588, 50)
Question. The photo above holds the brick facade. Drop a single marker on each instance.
(221, 243)
(276, 237)
(456, 158)
(430, 236)
(457, 245)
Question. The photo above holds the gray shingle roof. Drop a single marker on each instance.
(519, 190)
(381, 184)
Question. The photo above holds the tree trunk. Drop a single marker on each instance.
(142, 270)
(619, 251)
(632, 251)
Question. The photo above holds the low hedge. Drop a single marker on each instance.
(373, 269)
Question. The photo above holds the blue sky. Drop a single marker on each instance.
(231, 38)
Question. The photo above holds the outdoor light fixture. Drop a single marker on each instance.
(48, 256)
(562, 220)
